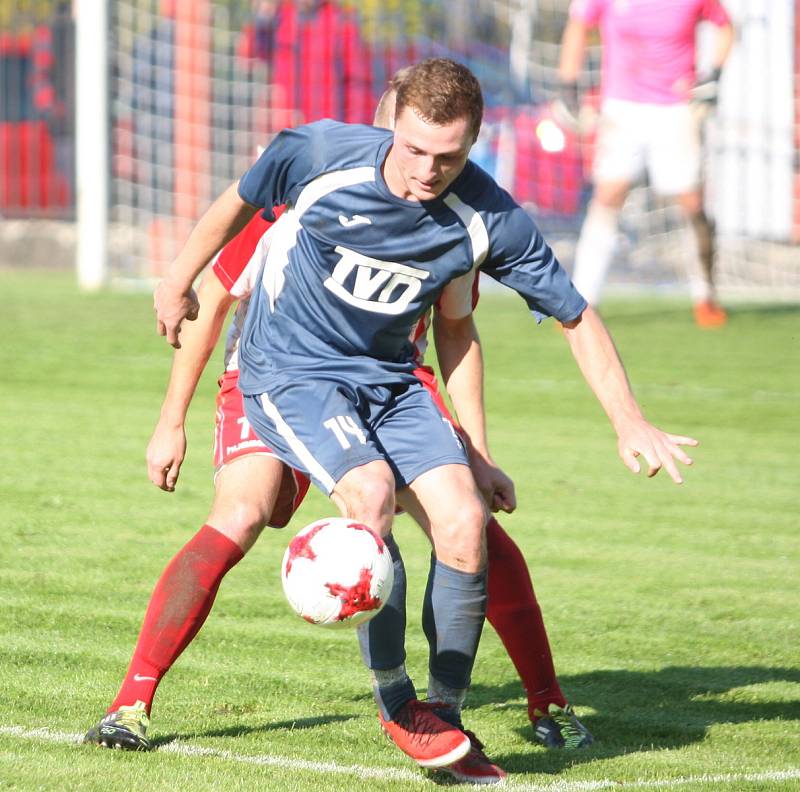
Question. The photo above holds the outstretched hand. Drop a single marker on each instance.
(172, 305)
(660, 449)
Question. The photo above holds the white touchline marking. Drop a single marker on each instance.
(185, 749)
(398, 774)
(658, 783)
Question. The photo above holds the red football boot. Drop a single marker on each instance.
(425, 737)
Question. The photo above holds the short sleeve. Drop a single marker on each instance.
(713, 11)
(460, 297)
(520, 258)
(283, 165)
(235, 263)
(589, 12)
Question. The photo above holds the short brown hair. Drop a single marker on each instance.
(441, 91)
(384, 112)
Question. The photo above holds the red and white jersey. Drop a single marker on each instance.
(238, 264)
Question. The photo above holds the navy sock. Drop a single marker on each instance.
(382, 643)
(452, 617)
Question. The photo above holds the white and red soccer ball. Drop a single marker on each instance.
(337, 572)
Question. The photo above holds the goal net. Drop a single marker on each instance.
(196, 87)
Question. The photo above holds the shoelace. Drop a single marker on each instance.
(132, 720)
(416, 715)
(565, 719)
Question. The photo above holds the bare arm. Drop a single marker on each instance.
(167, 446)
(174, 299)
(723, 45)
(602, 368)
(573, 50)
(458, 348)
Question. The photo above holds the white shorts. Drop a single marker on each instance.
(663, 141)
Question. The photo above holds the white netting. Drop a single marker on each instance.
(194, 93)
(751, 150)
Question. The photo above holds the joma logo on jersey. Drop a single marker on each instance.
(374, 285)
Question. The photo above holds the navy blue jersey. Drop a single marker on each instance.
(346, 279)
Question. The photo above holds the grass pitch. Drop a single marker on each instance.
(673, 611)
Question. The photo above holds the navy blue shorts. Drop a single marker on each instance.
(327, 427)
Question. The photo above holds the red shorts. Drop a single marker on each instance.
(427, 377)
(234, 438)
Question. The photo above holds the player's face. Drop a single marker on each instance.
(425, 158)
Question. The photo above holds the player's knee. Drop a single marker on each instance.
(377, 503)
(608, 199)
(242, 523)
(604, 214)
(460, 538)
(367, 495)
(692, 204)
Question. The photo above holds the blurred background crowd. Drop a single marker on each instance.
(194, 88)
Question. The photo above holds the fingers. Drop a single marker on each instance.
(501, 503)
(172, 474)
(671, 468)
(671, 450)
(629, 459)
(507, 497)
(681, 455)
(655, 461)
(163, 472)
(659, 449)
(164, 478)
(682, 440)
(171, 310)
(172, 336)
(158, 475)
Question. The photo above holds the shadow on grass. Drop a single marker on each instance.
(643, 710)
(240, 731)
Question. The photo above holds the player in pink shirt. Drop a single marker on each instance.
(648, 86)
(254, 489)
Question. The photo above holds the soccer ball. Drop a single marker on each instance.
(337, 572)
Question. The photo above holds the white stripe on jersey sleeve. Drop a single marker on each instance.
(286, 237)
(456, 299)
(297, 445)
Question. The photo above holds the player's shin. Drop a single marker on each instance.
(516, 616)
(382, 643)
(178, 607)
(595, 250)
(452, 618)
(705, 241)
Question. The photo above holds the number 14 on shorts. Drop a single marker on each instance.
(343, 425)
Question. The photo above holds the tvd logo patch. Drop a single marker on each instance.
(373, 285)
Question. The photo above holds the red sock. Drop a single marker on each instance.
(179, 605)
(513, 611)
